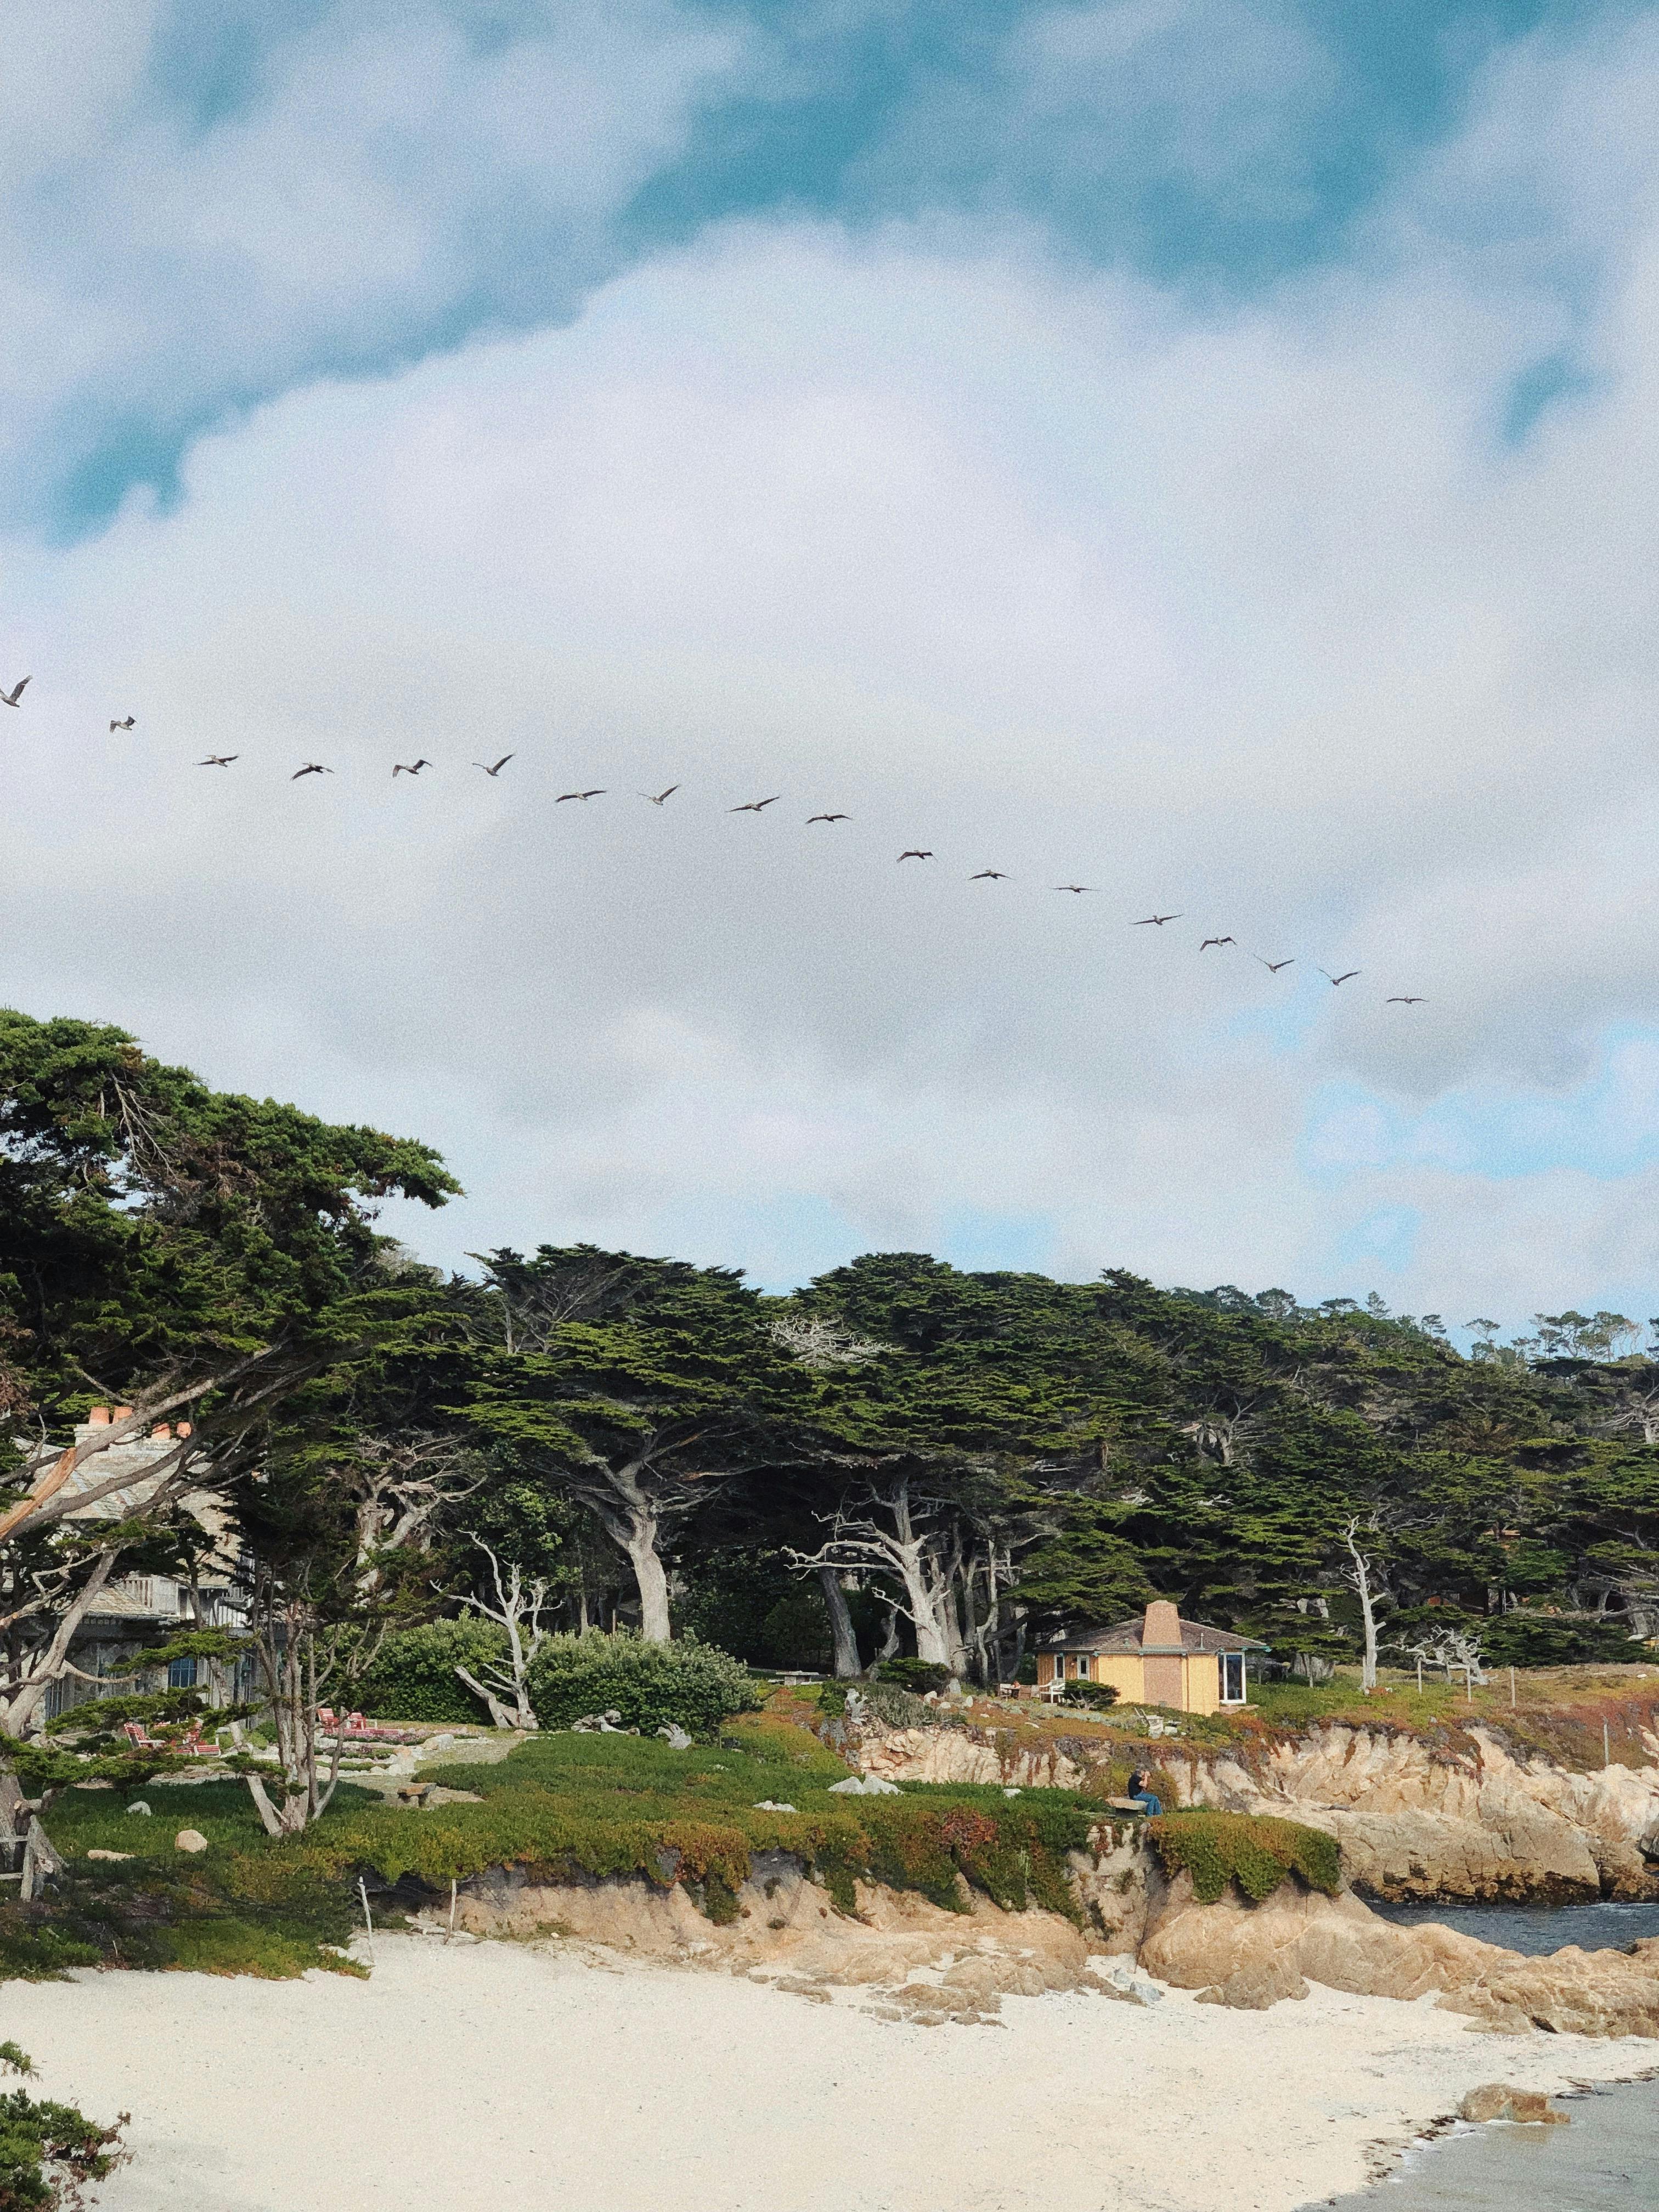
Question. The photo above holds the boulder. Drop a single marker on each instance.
(1256, 1987)
(189, 1839)
(141, 1808)
(109, 1855)
(1254, 1951)
(1497, 2100)
(864, 1785)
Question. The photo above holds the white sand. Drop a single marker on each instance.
(491, 2075)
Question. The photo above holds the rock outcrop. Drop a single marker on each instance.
(1467, 1818)
(1416, 1821)
(915, 1960)
(1253, 1955)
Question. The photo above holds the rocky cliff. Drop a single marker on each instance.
(915, 1960)
(1466, 1818)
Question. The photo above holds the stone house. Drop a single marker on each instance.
(139, 1609)
(1156, 1659)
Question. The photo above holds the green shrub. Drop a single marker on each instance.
(47, 2151)
(648, 1684)
(413, 1677)
(1098, 1695)
(1217, 1848)
(916, 1675)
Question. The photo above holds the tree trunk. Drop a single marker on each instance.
(651, 1577)
(499, 1716)
(845, 1642)
(1361, 1578)
(18, 1711)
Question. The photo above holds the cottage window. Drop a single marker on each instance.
(1232, 1678)
(181, 1675)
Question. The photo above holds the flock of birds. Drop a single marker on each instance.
(492, 769)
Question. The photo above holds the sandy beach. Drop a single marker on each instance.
(476, 2076)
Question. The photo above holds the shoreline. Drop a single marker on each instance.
(559, 2074)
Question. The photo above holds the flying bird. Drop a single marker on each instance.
(916, 854)
(811, 818)
(1074, 887)
(224, 760)
(661, 797)
(127, 724)
(755, 805)
(1405, 1002)
(989, 876)
(1273, 967)
(1154, 920)
(1347, 976)
(403, 768)
(563, 795)
(499, 766)
(10, 698)
(1209, 941)
(311, 767)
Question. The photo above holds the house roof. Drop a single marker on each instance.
(1169, 1633)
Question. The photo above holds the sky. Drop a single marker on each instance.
(1201, 450)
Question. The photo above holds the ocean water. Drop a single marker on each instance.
(1608, 2160)
(1535, 1929)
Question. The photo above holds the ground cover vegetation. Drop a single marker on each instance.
(440, 1489)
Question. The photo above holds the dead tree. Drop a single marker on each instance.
(518, 1610)
(1360, 1574)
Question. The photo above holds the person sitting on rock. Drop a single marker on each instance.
(1141, 1791)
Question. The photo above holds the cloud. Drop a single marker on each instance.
(1249, 613)
(197, 216)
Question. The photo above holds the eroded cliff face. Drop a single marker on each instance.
(1421, 1821)
(1470, 1820)
(913, 1960)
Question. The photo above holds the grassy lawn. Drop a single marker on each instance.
(81, 1821)
(165, 1908)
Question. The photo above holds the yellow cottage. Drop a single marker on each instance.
(1159, 1659)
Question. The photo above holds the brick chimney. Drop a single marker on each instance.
(182, 1429)
(121, 1412)
(1161, 1629)
(162, 1433)
(98, 1418)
